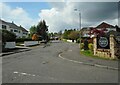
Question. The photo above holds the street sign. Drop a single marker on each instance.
(103, 42)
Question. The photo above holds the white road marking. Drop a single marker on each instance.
(15, 72)
(27, 74)
(69, 59)
(97, 65)
(23, 73)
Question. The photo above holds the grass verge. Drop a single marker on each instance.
(89, 53)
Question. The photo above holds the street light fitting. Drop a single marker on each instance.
(75, 9)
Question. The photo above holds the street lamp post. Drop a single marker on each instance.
(79, 24)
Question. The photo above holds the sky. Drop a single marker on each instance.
(60, 15)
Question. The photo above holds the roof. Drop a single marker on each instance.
(14, 26)
(1, 21)
(23, 29)
(105, 25)
(87, 28)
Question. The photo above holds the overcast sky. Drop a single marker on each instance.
(60, 15)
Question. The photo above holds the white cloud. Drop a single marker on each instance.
(59, 0)
(66, 18)
(62, 15)
(18, 15)
(58, 19)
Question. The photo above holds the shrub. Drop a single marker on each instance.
(23, 39)
(78, 40)
(90, 46)
(82, 45)
(8, 36)
(35, 37)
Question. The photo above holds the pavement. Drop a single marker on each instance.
(73, 54)
(17, 49)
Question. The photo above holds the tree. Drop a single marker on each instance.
(66, 33)
(33, 30)
(74, 35)
(42, 29)
(97, 32)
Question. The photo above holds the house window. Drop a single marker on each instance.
(25, 33)
(19, 31)
(4, 26)
(11, 30)
(15, 30)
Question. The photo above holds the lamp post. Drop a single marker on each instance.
(79, 24)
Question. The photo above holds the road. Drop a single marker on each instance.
(42, 65)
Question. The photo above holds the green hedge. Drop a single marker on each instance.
(7, 36)
(23, 39)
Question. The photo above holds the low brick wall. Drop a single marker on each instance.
(112, 53)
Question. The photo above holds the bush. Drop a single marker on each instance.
(90, 46)
(23, 39)
(8, 36)
(82, 45)
(35, 37)
(78, 40)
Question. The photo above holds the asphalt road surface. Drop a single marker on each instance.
(42, 65)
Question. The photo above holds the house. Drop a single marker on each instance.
(105, 26)
(19, 31)
(88, 31)
(85, 31)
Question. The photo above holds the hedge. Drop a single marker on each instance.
(7, 36)
(23, 39)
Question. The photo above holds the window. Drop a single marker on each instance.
(15, 30)
(24, 33)
(11, 30)
(4, 26)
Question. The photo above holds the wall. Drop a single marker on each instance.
(112, 53)
(10, 45)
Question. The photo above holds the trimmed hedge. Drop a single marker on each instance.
(23, 39)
